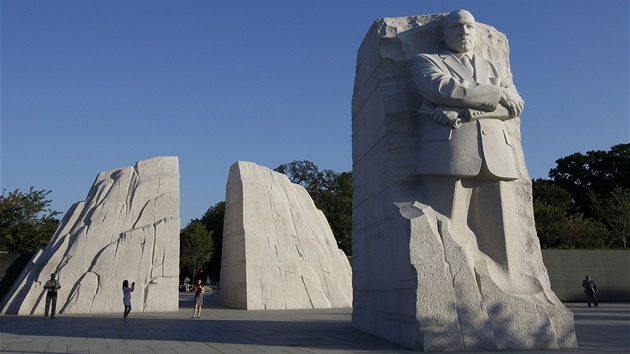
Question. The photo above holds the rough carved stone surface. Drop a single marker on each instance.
(419, 278)
(127, 228)
(278, 249)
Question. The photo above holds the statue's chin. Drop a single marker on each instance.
(463, 47)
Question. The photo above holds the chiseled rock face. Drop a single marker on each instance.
(127, 228)
(422, 279)
(278, 249)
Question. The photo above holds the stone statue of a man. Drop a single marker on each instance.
(445, 252)
(464, 147)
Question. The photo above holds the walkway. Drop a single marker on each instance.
(605, 329)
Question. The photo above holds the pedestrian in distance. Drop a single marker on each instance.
(199, 299)
(127, 298)
(51, 287)
(590, 289)
(187, 285)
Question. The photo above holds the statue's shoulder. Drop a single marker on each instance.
(425, 57)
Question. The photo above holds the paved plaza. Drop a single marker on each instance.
(605, 329)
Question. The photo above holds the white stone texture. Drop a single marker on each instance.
(278, 249)
(419, 279)
(127, 228)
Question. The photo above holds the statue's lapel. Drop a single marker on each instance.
(481, 70)
(457, 67)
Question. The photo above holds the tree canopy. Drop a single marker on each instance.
(195, 248)
(26, 221)
(614, 211)
(585, 203)
(213, 220)
(597, 171)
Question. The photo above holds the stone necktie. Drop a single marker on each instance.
(468, 65)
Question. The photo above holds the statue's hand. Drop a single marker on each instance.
(448, 115)
(442, 116)
(512, 101)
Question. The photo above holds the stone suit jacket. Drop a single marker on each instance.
(443, 81)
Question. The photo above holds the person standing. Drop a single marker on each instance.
(590, 289)
(199, 298)
(51, 287)
(187, 284)
(127, 298)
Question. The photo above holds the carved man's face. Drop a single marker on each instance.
(459, 31)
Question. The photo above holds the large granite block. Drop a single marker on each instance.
(278, 249)
(127, 228)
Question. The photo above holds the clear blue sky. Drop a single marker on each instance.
(89, 86)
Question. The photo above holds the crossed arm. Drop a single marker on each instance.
(454, 100)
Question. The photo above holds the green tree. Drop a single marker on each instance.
(596, 172)
(556, 228)
(546, 191)
(335, 201)
(580, 232)
(548, 224)
(551, 207)
(26, 221)
(195, 247)
(213, 220)
(583, 203)
(332, 194)
(304, 173)
(614, 211)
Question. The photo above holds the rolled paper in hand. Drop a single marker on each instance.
(453, 122)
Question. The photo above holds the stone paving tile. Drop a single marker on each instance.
(605, 329)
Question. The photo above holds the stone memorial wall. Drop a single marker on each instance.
(609, 268)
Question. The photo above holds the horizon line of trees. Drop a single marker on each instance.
(584, 204)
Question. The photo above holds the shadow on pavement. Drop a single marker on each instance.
(602, 329)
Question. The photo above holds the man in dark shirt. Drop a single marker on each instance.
(51, 287)
(590, 289)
